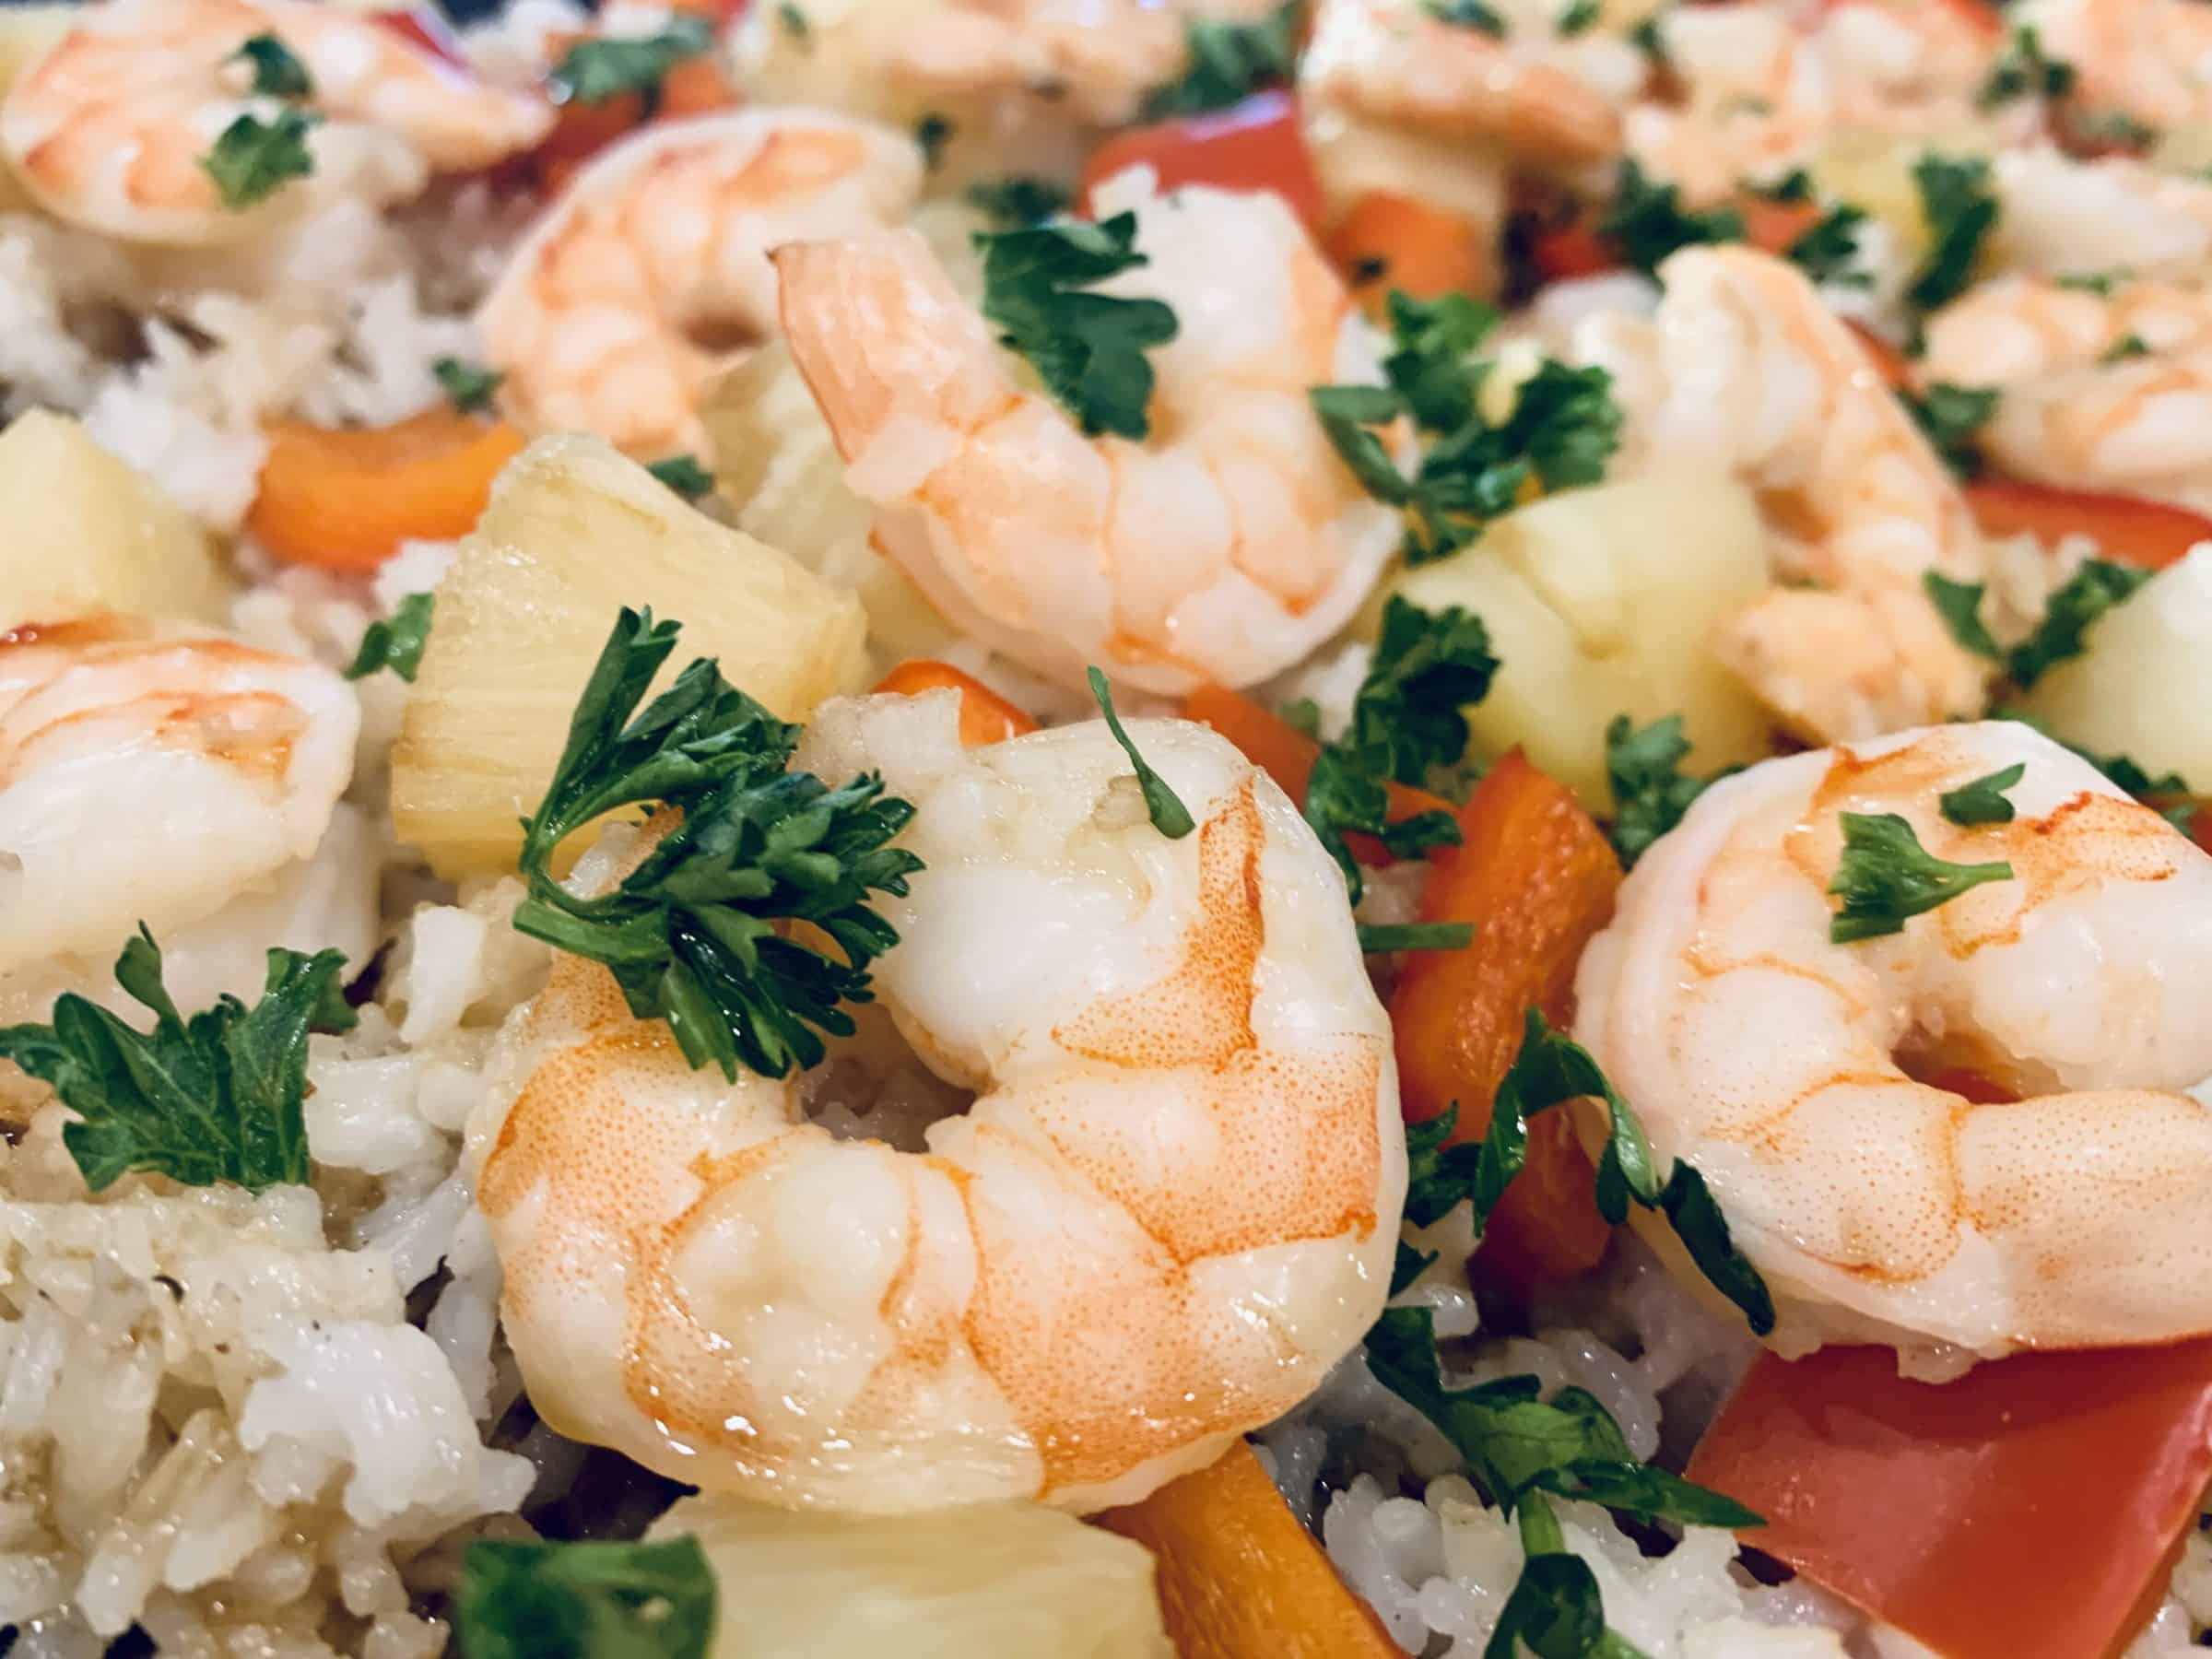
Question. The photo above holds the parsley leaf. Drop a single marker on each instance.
(1162, 804)
(1409, 1264)
(1960, 606)
(253, 158)
(541, 1599)
(688, 934)
(1796, 185)
(1950, 416)
(2102, 129)
(1087, 348)
(600, 70)
(933, 133)
(2126, 346)
(1439, 1176)
(2100, 283)
(469, 387)
(1580, 17)
(684, 475)
(1650, 791)
(792, 21)
(1982, 800)
(1825, 252)
(1959, 206)
(1885, 875)
(1649, 222)
(2022, 71)
(276, 73)
(1466, 14)
(1228, 62)
(1019, 199)
(213, 1098)
(1375, 937)
(2085, 596)
(2169, 792)
(397, 641)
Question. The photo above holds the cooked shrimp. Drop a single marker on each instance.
(1743, 367)
(2062, 216)
(1170, 1208)
(107, 127)
(2109, 392)
(628, 296)
(1223, 549)
(2142, 58)
(154, 775)
(1880, 1208)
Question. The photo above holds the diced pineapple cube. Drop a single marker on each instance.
(574, 533)
(1012, 1581)
(87, 534)
(1600, 602)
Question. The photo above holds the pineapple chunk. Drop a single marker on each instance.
(87, 534)
(574, 532)
(1014, 1580)
(2129, 691)
(1599, 602)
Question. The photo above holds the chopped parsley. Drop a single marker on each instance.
(1983, 801)
(1960, 606)
(933, 133)
(1087, 348)
(1650, 791)
(1019, 199)
(2100, 283)
(684, 475)
(216, 1098)
(1580, 17)
(397, 641)
(1304, 714)
(469, 387)
(1885, 875)
(1375, 937)
(2085, 596)
(542, 1599)
(1440, 1172)
(2126, 346)
(1405, 722)
(689, 934)
(1825, 252)
(1466, 14)
(1950, 416)
(1648, 222)
(1646, 38)
(276, 73)
(1563, 427)
(1961, 208)
(600, 70)
(1796, 185)
(1228, 62)
(2169, 792)
(2022, 71)
(2115, 129)
(792, 21)
(1162, 804)
(254, 159)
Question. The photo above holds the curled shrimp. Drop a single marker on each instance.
(2101, 391)
(652, 268)
(1744, 369)
(2139, 58)
(2062, 216)
(1878, 1207)
(107, 128)
(155, 775)
(1224, 548)
(1171, 1206)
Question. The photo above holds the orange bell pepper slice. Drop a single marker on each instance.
(1287, 755)
(694, 87)
(1239, 1577)
(2030, 1510)
(343, 498)
(2149, 533)
(985, 716)
(1388, 241)
(1255, 146)
(1537, 878)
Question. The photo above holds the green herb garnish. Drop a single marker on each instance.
(276, 73)
(1228, 62)
(1466, 14)
(1950, 416)
(1647, 221)
(1825, 252)
(684, 475)
(1087, 348)
(1375, 937)
(1580, 17)
(1885, 876)
(1960, 606)
(1959, 206)
(1796, 185)
(689, 934)
(2126, 346)
(1650, 791)
(1983, 801)
(469, 387)
(598, 71)
(213, 1098)
(1439, 1174)
(547, 1600)
(2084, 597)
(933, 133)
(397, 641)
(2022, 71)
(1164, 807)
(253, 158)
(2100, 283)
(792, 21)
(1019, 199)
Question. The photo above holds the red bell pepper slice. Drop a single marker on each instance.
(2133, 531)
(2030, 1510)
(1255, 146)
